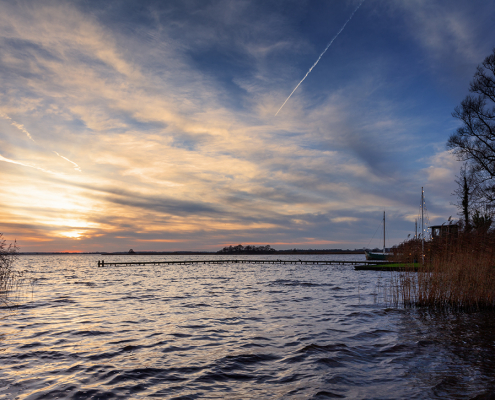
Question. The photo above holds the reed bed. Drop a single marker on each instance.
(9, 278)
(456, 272)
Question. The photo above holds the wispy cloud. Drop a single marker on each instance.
(449, 31)
(158, 126)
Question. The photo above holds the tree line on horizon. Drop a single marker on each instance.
(240, 249)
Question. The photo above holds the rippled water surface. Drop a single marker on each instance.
(234, 331)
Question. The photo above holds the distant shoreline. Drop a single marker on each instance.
(194, 253)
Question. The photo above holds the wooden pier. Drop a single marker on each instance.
(102, 263)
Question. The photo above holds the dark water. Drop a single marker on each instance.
(234, 331)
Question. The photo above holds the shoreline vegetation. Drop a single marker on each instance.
(457, 266)
(388, 266)
(9, 278)
(455, 272)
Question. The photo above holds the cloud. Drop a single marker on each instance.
(448, 28)
(157, 124)
(442, 172)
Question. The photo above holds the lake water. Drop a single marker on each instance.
(233, 331)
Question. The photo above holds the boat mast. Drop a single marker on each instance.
(384, 232)
(422, 226)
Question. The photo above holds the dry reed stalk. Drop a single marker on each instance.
(9, 278)
(458, 273)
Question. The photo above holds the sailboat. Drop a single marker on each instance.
(378, 256)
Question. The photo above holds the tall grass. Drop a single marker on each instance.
(457, 272)
(9, 278)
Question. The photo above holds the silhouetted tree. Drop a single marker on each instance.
(474, 141)
(464, 193)
(240, 249)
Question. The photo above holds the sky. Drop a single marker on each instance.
(151, 124)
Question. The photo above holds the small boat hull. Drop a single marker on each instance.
(376, 256)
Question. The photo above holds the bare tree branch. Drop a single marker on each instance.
(474, 141)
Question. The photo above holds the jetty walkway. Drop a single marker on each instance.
(102, 263)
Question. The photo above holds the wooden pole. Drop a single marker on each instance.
(422, 228)
(384, 232)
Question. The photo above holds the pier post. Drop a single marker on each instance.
(102, 263)
(98, 263)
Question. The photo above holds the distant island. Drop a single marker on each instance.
(267, 249)
(240, 249)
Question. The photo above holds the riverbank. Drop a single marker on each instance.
(388, 266)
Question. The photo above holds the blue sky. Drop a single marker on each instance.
(151, 125)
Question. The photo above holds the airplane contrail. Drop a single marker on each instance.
(18, 126)
(76, 167)
(2, 158)
(321, 55)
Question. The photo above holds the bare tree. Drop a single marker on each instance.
(474, 141)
